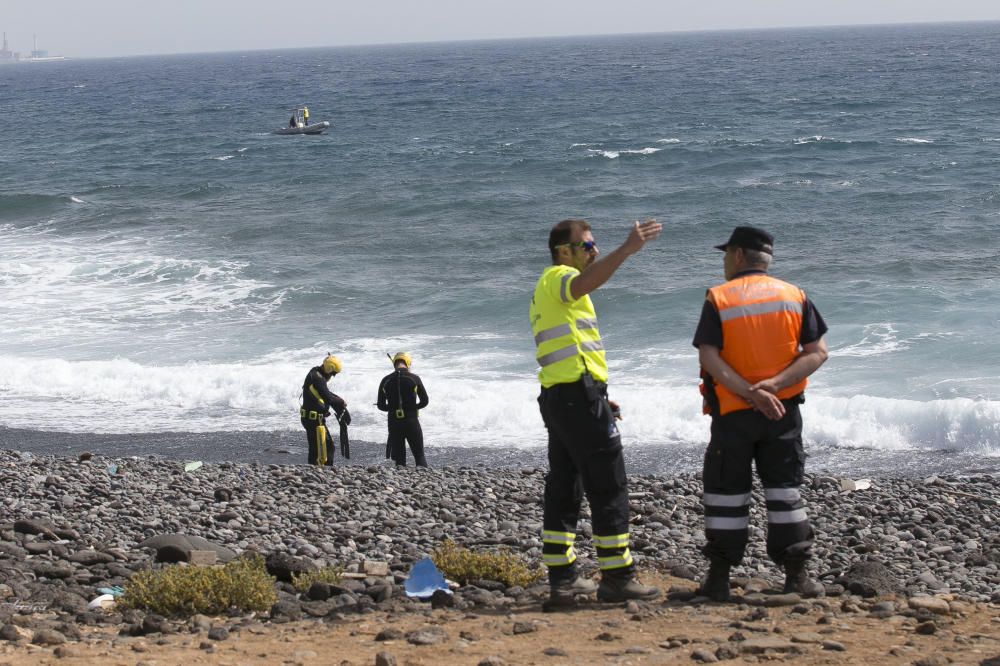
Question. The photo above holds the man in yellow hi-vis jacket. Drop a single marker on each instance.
(584, 448)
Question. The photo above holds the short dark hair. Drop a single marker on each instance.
(562, 232)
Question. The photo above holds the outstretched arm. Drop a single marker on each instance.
(601, 270)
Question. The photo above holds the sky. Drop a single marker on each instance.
(99, 28)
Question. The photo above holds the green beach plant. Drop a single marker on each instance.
(464, 566)
(181, 591)
(332, 575)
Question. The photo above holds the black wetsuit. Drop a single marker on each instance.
(402, 394)
(317, 400)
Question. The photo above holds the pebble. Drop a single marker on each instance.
(704, 656)
(900, 536)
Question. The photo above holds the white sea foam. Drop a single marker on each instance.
(614, 154)
(957, 424)
(103, 285)
(877, 339)
(913, 139)
(472, 402)
(77, 200)
(223, 158)
(668, 141)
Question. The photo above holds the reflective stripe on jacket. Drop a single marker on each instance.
(761, 326)
(567, 341)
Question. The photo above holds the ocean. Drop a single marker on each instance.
(170, 269)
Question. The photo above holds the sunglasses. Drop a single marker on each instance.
(586, 245)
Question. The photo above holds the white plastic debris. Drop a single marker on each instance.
(103, 601)
(849, 485)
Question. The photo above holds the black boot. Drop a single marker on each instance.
(716, 583)
(563, 594)
(615, 589)
(797, 580)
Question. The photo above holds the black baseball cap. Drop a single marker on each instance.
(750, 238)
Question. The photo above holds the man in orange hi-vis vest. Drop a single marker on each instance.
(758, 339)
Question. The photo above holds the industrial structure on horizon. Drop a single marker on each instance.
(37, 55)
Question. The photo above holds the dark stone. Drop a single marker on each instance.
(442, 599)
(11, 550)
(285, 611)
(283, 565)
(926, 628)
(52, 569)
(48, 637)
(349, 586)
(380, 593)
(389, 634)
(223, 494)
(218, 633)
(316, 608)
(9, 633)
(385, 659)
(554, 652)
(41, 527)
(69, 602)
(685, 571)
(177, 547)
(428, 636)
(156, 624)
(319, 591)
(524, 628)
(90, 557)
(725, 652)
(870, 578)
(44, 547)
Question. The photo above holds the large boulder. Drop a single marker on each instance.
(178, 547)
(870, 578)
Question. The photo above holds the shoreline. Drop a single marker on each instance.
(288, 448)
(931, 539)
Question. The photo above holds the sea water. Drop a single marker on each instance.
(170, 269)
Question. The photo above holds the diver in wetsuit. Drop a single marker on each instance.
(402, 395)
(317, 401)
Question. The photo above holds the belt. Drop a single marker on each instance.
(578, 385)
(312, 414)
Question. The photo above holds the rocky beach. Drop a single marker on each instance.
(921, 556)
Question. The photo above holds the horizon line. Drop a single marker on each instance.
(537, 37)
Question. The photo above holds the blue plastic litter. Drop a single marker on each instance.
(112, 469)
(424, 580)
(114, 591)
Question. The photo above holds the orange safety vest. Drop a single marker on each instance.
(761, 325)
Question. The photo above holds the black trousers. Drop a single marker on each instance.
(585, 457)
(739, 440)
(319, 436)
(402, 431)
